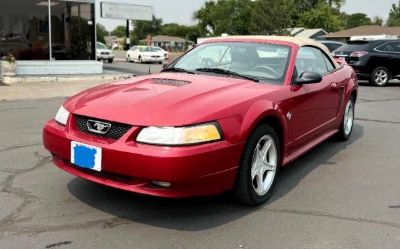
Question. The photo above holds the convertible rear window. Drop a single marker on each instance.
(263, 61)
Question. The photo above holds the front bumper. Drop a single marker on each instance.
(151, 59)
(105, 57)
(192, 171)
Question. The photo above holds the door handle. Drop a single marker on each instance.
(334, 86)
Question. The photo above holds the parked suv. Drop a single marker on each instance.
(377, 61)
(331, 45)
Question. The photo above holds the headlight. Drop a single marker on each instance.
(180, 135)
(62, 116)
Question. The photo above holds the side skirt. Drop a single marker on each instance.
(298, 153)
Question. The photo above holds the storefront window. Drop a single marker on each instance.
(24, 30)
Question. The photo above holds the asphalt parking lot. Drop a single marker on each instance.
(121, 65)
(339, 195)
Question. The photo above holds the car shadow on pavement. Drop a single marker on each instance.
(202, 213)
(291, 175)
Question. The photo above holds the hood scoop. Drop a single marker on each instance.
(170, 82)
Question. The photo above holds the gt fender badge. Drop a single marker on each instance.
(289, 115)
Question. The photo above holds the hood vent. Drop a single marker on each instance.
(170, 82)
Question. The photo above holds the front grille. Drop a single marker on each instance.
(116, 131)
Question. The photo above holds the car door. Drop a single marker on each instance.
(315, 106)
(131, 52)
(392, 55)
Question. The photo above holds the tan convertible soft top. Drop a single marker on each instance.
(299, 41)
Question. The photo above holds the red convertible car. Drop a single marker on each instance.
(224, 117)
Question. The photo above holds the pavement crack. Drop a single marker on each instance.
(64, 243)
(336, 217)
(378, 121)
(18, 109)
(108, 223)
(376, 100)
(25, 195)
(17, 147)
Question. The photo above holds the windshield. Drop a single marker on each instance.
(261, 61)
(148, 49)
(101, 46)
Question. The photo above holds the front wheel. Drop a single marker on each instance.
(258, 167)
(380, 76)
(346, 126)
(110, 60)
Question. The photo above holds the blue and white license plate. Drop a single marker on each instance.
(86, 156)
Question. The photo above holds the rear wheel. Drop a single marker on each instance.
(110, 60)
(380, 76)
(258, 167)
(346, 127)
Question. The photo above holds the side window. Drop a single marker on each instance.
(390, 47)
(311, 59)
(396, 46)
(328, 63)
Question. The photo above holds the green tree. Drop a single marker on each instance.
(101, 32)
(119, 31)
(141, 29)
(306, 5)
(265, 20)
(358, 19)
(144, 28)
(188, 32)
(377, 21)
(323, 16)
(225, 16)
(394, 15)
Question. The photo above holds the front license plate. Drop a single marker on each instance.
(86, 156)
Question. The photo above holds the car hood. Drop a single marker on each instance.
(168, 99)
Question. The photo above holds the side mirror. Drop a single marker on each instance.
(308, 78)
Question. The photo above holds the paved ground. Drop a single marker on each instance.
(340, 195)
(133, 68)
(122, 66)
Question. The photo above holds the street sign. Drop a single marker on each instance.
(126, 11)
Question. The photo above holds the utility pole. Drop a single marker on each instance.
(128, 39)
(50, 38)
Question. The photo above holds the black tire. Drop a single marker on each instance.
(110, 60)
(378, 77)
(342, 135)
(243, 191)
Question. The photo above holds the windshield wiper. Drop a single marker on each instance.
(226, 72)
(177, 69)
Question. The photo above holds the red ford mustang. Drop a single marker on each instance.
(223, 117)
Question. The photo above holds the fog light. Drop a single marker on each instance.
(161, 184)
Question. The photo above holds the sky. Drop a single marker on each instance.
(181, 11)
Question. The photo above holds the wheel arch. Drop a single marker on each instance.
(276, 120)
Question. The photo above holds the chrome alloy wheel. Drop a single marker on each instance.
(381, 77)
(348, 118)
(264, 165)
